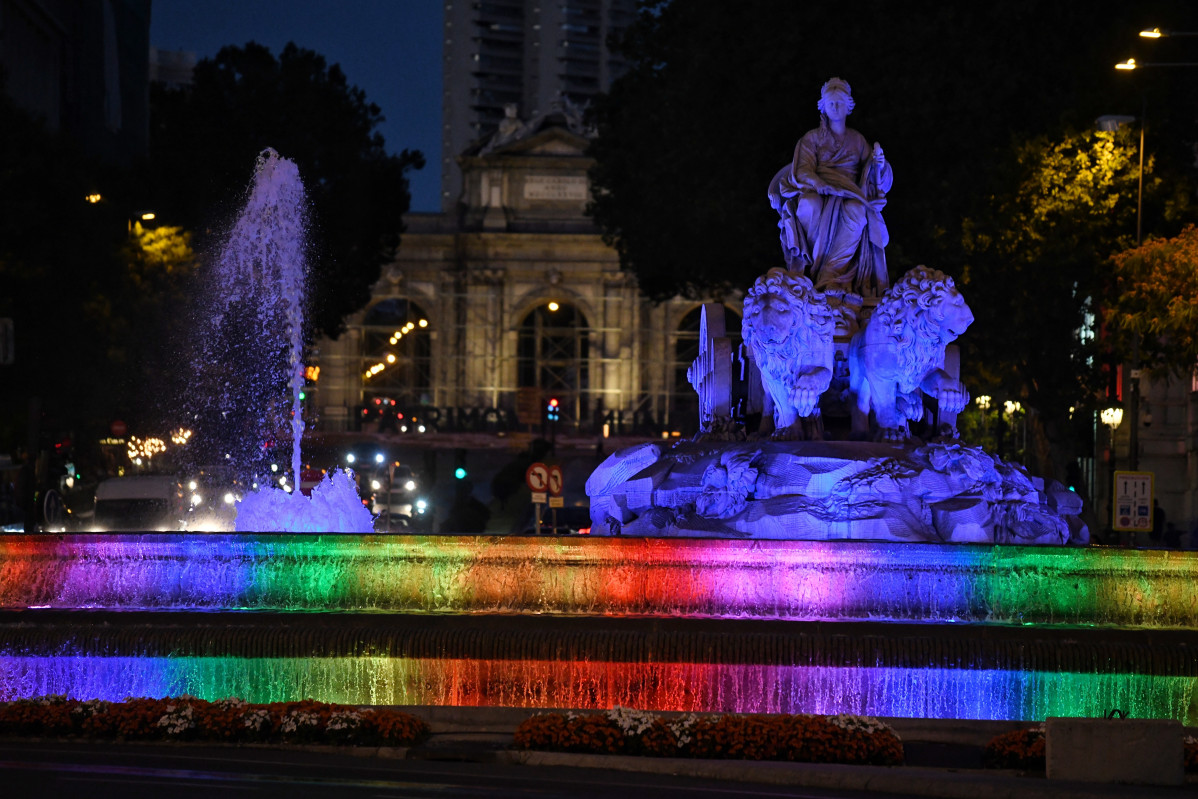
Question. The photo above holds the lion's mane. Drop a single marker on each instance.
(910, 314)
(811, 321)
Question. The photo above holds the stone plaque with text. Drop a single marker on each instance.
(555, 187)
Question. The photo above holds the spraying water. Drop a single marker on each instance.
(248, 405)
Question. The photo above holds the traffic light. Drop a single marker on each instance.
(459, 463)
(552, 410)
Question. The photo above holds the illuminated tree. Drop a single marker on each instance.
(1154, 297)
(1036, 269)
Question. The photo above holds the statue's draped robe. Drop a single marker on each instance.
(837, 238)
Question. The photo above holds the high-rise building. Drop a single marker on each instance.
(81, 67)
(523, 53)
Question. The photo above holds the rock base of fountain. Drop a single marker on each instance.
(830, 490)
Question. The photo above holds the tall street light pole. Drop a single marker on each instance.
(1133, 437)
(1157, 33)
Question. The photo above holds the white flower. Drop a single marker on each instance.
(866, 724)
(297, 719)
(344, 720)
(256, 719)
(681, 727)
(177, 719)
(632, 722)
(89, 708)
(232, 703)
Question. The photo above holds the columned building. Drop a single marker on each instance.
(487, 315)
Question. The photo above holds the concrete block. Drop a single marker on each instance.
(1141, 751)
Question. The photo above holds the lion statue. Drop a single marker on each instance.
(788, 329)
(900, 352)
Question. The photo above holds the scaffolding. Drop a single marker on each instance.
(611, 359)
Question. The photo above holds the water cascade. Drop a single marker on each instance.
(251, 370)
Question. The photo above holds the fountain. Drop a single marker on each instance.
(251, 356)
(731, 595)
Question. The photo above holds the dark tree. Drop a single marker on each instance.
(58, 262)
(204, 140)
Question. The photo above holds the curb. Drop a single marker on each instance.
(943, 783)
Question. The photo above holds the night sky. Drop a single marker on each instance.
(391, 49)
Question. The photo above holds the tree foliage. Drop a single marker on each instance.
(1035, 271)
(204, 140)
(1154, 298)
(57, 252)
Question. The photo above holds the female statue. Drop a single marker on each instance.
(830, 200)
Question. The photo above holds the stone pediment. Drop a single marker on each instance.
(555, 142)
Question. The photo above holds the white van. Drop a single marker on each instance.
(144, 503)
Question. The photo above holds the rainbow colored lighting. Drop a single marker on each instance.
(698, 687)
(708, 578)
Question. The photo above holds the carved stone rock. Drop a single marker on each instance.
(939, 492)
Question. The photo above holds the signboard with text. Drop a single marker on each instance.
(1132, 510)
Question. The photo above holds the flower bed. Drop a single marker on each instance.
(186, 718)
(810, 739)
(1024, 749)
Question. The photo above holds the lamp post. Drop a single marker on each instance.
(983, 403)
(1133, 439)
(1157, 33)
(1111, 417)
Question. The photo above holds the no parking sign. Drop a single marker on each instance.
(1133, 502)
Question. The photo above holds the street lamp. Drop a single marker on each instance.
(1131, 64)
(1111, 417)
(1157, 33)
(1128, 65)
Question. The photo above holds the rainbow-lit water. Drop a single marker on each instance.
(986, 632)
(742, 688)
(713, 578)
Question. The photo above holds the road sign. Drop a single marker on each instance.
(118, 428)
(538, 497)
(1133, 502)
(537, 477)
(555, 480)
(557, 502)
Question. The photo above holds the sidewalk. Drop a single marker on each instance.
(944, 759)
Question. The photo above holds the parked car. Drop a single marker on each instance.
(394, 490)
(139, 503)
(210, 498)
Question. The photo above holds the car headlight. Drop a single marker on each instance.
(410, 485)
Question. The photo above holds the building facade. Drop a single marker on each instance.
(82, 68)
(521, 53)
(487, 315)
